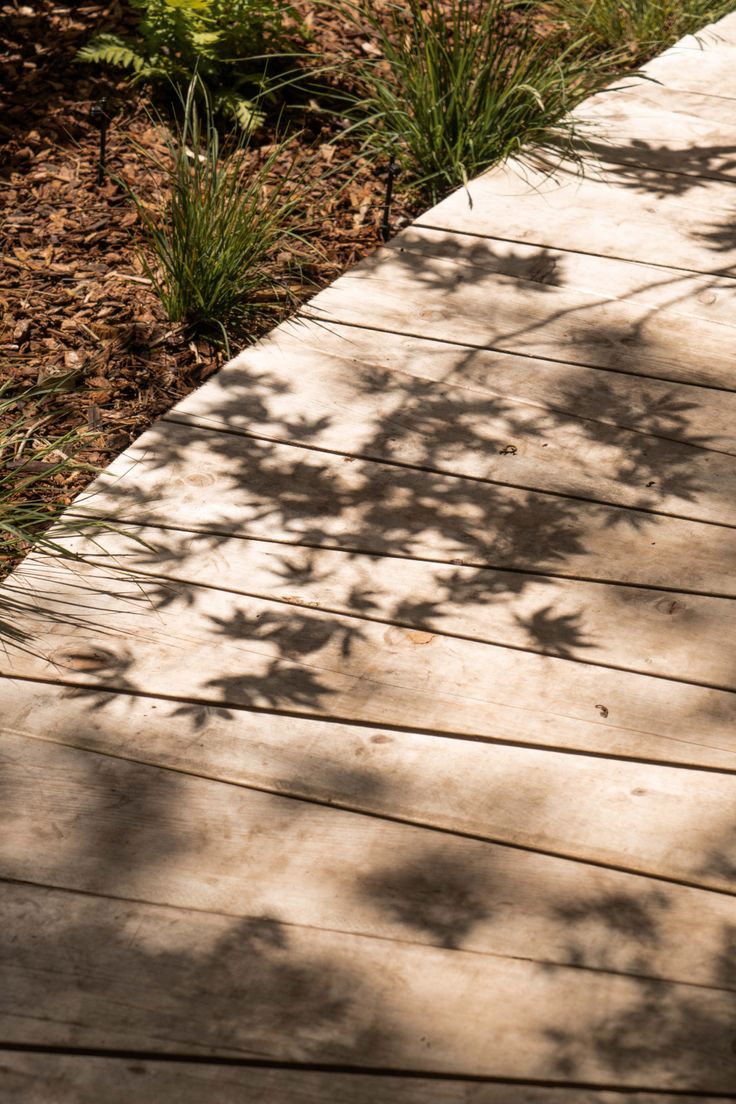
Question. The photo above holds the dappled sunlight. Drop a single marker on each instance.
(387, 726)
(182, 885)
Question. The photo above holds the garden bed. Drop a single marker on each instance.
(79, 315)
(75, 300)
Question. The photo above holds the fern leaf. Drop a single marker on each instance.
(244, 111)
(188, 5)
(203, 40)
(109, 49)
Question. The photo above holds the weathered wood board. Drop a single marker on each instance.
(429, 293)
(669, 823)
(38, 1078)
(460, 418)
(385, 750)
(665, 293)
(637, 132)
(220, 648)
(120, 829)
(614, 211)
(633, 91)
(109, 973)
(696, 65)
(405, 394)
(672, 635)
(201, 479)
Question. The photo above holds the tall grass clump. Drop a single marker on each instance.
(211, 252)
(641, 28)
(454, 86)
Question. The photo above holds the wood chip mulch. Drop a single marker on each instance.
(73, 297)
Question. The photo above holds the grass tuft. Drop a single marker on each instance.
(212, 252)
(642, 28)
(455, 86)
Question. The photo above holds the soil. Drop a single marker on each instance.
(73, 295)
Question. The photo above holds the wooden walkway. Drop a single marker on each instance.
(385, 753)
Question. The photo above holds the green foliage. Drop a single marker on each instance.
(457, 85)
(641, 27)
(214, 245)
(225, 42)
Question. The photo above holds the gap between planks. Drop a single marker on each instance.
(383, 816)
(490, 394)
(376, 1075)
(721, 273)
(312, 314)
(360, 723)
(393, 940)
(392, 622)
(197, 423)
(204, 531)
(524, 402)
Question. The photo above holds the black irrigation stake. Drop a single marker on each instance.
(99, 118)
(392, 173)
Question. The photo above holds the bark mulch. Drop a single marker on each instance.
(72, 294)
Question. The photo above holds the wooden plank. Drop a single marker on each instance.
(219, 648)
(723, 30)
(38, 1078)
(317, 384)
(632, 90)
(614, 213)
(633, 132)
(97, 972)
(307, 382)
(666, 822)
(429, 293)
(662, 291)
(199, 479)
(695, 66)
(120, 829)
(667, 634)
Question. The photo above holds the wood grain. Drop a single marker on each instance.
(642, 215)
(663, 821)
(637, 132)
(429, 293)
(678, 636)
(200, 479)
(135, 976)
(467, 412)
(412, 387)
(218, 648)
(392, 728)
(37, 1078)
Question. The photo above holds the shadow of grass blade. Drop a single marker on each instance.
(33, 456)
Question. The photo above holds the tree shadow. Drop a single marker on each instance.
(128, 947)
(443, 472)
(429, 894)
(433, 473)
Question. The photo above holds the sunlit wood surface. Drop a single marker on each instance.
(384, 750)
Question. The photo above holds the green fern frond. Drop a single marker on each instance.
(240, 109)
(109, 49)
(188, 5)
